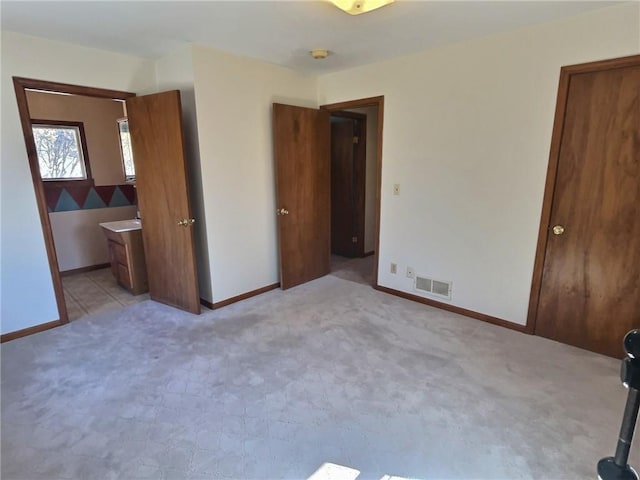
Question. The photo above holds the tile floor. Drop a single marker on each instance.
(96, 291)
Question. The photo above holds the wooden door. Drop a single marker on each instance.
(590, 289)
(155, 124)
(343, 208)
(348, 167)
(302, 167)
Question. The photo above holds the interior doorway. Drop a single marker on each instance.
(32, 103)
(353, 185)
(348, 168)
(302, 157)
(86, 169)
(175, 228)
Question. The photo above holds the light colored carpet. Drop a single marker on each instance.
(355, 269)
(273, 387)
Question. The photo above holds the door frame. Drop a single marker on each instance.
(369, 102)
(21, 85)
(361, 165)
(566, 73)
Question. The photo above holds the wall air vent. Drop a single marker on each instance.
(434, 287)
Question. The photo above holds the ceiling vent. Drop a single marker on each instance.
(434, 287)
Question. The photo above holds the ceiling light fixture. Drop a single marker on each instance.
(319, 53)
(356, 7)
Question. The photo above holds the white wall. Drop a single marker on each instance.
(467, 130)
(80, 241)
(27, 296)
(234, 97)
(371, 176)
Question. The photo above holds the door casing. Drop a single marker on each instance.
(379, 103)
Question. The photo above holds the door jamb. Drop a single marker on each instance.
(21, 85)
(369, 102)
(566, 73)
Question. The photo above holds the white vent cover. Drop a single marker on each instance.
(431, 286)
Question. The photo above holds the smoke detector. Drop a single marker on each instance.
(319, 53)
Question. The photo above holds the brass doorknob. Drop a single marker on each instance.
(282, 211)
(558, 230)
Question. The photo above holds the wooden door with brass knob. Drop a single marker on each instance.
(155, 123)
(586, 284)
(303, 192)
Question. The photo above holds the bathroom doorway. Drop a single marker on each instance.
(87, 177)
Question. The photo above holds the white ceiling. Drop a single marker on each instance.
(279, 32)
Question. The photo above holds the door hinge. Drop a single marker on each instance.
(356, 139)
(354, 239)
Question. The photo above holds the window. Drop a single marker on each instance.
(61, 150)
(125, 148)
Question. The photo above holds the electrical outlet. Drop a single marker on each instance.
(394, 268)
(411, 273)
(396, 189)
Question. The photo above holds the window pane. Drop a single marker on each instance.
(127, 153)
(59, 153)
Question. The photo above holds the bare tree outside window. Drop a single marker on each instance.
(125, 148)
(59, 152)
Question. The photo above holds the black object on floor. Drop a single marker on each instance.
(616, 467)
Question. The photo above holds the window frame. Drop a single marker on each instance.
(127, 178)
(57, 182)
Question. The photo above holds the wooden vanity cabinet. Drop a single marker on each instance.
(126, 255)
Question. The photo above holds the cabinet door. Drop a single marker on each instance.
(124, 276)
(113, 258)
